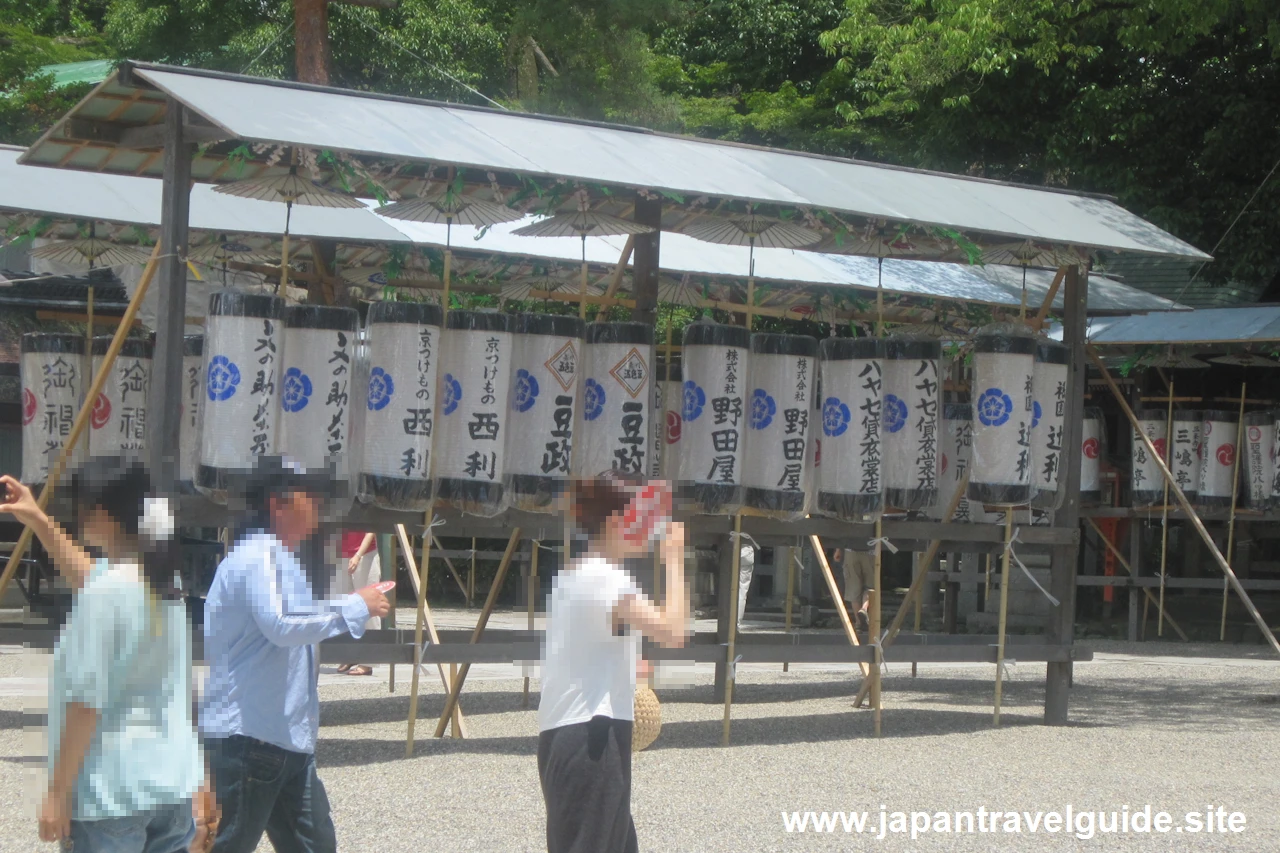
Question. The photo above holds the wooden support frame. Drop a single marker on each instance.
(1115, 552)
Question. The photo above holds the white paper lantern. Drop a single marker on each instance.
(1048, 420)
(658, 430)
(546, 351)
(909, 421)
(956, 459)
(848, 461)
(614, 429)
(320, 392)
(1217, 458)
(783, 376)
(1146, 482)
(475, 383)
(118, 422)
(1092, 438)
(400, 406)
(244, 336)
(1259, 438)
(1275, 452)
(1003, 412)
(189, 426)
(713, 416)
(1185, 452)
(53, 388)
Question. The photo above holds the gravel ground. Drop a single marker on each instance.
(1175, 726)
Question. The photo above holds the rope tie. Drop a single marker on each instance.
(883, 541)
(1013, 555)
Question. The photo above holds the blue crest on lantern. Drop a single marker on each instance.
(295, 390)
(994, 407)
(694, 399)
(525, 392)
(894, 416)
(763, 408)
(592, 400)
(222, 378)
(835, 417)
(380, 389)
(452, 393)
(1036, 412)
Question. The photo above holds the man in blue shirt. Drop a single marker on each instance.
(260, 711)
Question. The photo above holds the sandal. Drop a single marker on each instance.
(360, 669)
(345, 668)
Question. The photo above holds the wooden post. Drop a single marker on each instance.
(1128, 568)
(874, 629)
(849, 633)
(390, 621)
(417, 629)
(163, 415)
(921, 568)
(531, 589)
(732, 592)
(1060, 629)
(471, 579)
(1164, 523)
(1188, 508)
(791, 590)
(82, 417)
(1004, 609)
(645, 268)
(492, 599)
(1235, 491)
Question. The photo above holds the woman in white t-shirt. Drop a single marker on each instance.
(595, 619)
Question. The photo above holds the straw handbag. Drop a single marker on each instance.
(648, 718)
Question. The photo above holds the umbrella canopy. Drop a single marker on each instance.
(522, 288)
(1245, 359)
(225, 251)
(90, 252)
(447, 207)
(1176, 360)
(1028, 253)
(291, 188)
(881, 240)
(752, 230)
(581, 223)
(680, 292)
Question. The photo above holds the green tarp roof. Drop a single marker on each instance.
(70, 73)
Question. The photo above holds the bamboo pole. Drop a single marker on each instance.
(88, 352)
(1187, 507)
(1047, 305)
(391, 598)
(849, 633)
(471, 578)
(82, 417)
(532, 586)
(917, 583)
(1004, 610)
(791, 592)
(1235, 492)
(1164, 524)
(417, 629)
(457, 578)
(402, 537)
(921, 567)
(731, 674)
(616, 279)
(1128, 568)
(489, 603)
(874, 629)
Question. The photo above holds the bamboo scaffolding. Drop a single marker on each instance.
(82, 417)
(532, 587)
(1004, 610)
(874, 630)
(1186, 505)
(731, 673)
(1235, 492)
(849, 633)
(791, 592)
(1115, 552)
(1164, 523)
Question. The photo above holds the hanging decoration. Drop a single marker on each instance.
(1259, 438)
(954, 464)
(613, 426)
(714, 416)
(53, 387)
(1185, 453)
(780, 396)
(118, 422)
(475, 366)
(1048, 420)
(1003, 416)
(1146, 485)
(909, 420)
(244, 336)
(545, 355)
(189, 426)
(400, 407)
(848, 463)
(1092, 439)
(1217, 458)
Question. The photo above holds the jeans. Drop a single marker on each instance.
(263, 788)
(164, 829)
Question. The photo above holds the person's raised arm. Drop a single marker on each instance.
(313, 621)
(366, 545)
(668, 624)
(72, 561)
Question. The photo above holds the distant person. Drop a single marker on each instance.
(260, 713)
(595, 617)
(124, 761)
(859, 580)
(360, 567)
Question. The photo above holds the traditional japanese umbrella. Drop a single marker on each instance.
(1245, 359)
(880, 241)
(221, 251)
(291, 188)
(446, 207)
(1028, 253)
(752, 230)
(523, 287)
(1177, 360)
(582, 223)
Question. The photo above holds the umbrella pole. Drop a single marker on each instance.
(751, 284)
(879, 297)
(1023, 314)
(1164, 521)
(283, 285)
(1231, 523)
(582, 288)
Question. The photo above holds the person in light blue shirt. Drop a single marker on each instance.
(260, 711)
(124, 761)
